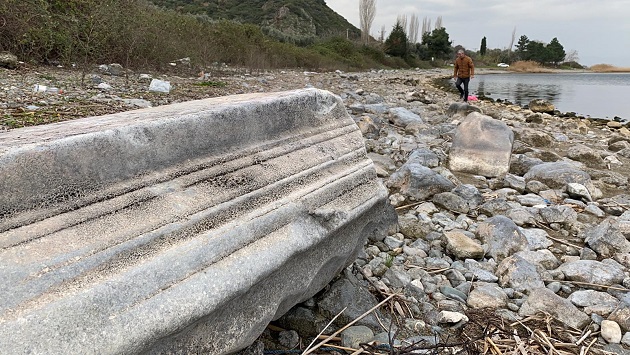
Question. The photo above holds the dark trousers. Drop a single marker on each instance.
(463, 93)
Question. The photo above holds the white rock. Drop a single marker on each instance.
(453, 317)
(611, 332)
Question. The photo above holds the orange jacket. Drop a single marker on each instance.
(464, 67)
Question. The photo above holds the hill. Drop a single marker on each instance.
(296, 21)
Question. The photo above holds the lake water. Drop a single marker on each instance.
(597, 95)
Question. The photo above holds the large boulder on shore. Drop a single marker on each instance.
(540, 105)
(481, 146)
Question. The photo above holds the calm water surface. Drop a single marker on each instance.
(600, 95)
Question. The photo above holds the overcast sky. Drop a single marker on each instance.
(599, 30)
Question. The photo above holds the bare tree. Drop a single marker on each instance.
(512, 42)
(426, 26)
(572, 56)
(367, 12)
(438, 23)
(414, 26)
(382, 34)
(402, 20)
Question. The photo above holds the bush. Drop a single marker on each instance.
(137, 34)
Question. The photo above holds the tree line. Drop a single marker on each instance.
(435, 44)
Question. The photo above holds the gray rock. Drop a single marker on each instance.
(352, 336)
(487, 295)
(607, 238)
(463, 109)
(503, 237)
(536, 238)
(469, 193)
(622, 317)
(586, 155)
(419, 182)
(494, 207)
(479, 273)
(544, 300)
(481, 146)
(564, 215)
(587, 298)
(531, 200)
(515, 182)
(521, 163)
(543, 258)
(519, 274)
(592, 271)
(453, 293)
(400, 116)
(397, 277)
(451, 202)
(289, 339)
(534, 137)
(425, 157)
(461, 246)
(557, 175)
(355, 299)
(413, 227)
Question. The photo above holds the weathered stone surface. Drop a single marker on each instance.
(519, 274)
(592, 271)
(181, 227)
(401, 116)
(540, 105)
(544, 300)
(417, 181)
(481, 146)
(486, 295)
(503, 237)
(608, 238)
(557, 175)
(462, 247)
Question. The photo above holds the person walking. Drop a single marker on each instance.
(464, 71)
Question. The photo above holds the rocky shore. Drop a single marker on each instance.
(530, 254)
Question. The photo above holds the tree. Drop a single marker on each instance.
(396, 43)
(521, 47)
(537, 51)
(414, 27)
(555, 51)
(367, 12)
(482, 49)
(437, 43)
(438, 23)
(512, 41)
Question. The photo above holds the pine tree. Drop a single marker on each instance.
(396, 43)
(483, 47)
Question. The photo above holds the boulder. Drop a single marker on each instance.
(544, 300)
(481, 146)
(540, 105)
(503, 237)
(8, 60)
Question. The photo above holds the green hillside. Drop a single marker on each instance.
(290, 20)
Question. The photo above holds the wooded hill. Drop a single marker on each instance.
(295, 21)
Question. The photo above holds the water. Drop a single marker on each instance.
(597, 95)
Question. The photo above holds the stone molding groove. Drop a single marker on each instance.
(179, 229)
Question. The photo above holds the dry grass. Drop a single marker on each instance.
(607, 68)
(528, 66)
